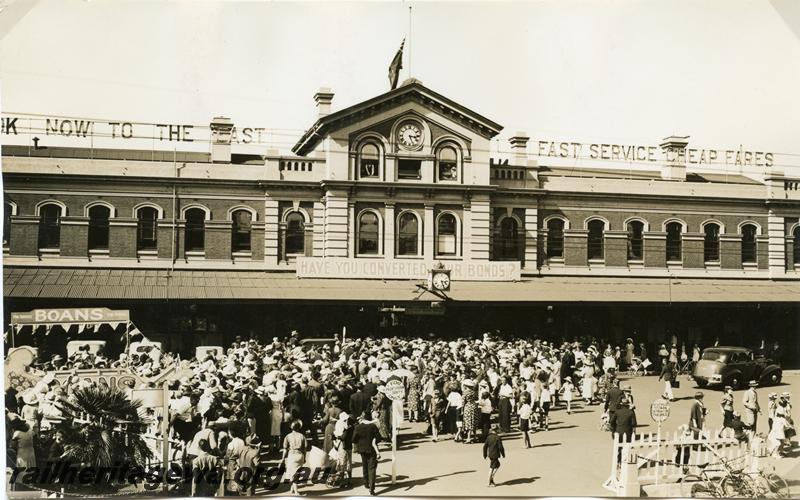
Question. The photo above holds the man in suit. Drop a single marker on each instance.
(623, 423)
(613, 398)
(697, 415)
(493, 450)
(359, 402)
(567, 364)
(751, 407)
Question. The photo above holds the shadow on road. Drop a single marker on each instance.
(411, 483)
(520, 480)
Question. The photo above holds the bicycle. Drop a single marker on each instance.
(734, 482)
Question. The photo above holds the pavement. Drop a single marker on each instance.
(573, 458)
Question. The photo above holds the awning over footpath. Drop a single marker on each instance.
(135, 284)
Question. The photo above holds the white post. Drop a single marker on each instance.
(658, 452)
(394, 449)
(344, 334)
(165, 434)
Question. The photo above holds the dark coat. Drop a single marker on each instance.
(623, 421)
(613, 397)
(359, 402)
(493, 446)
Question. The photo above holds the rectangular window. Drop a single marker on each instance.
(409, 169)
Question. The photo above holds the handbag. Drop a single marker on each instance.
(675, 384)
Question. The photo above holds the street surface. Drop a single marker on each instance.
(573, 458)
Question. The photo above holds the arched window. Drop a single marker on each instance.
(594, 245)
(369, 161)
(447, 163)
(146, 228)
(796, 250)
(749, 245)
(368, 234)
(8, 210)
(711, 243)
(195, 235)
(98, 227)
(50, 226)
(295, 240)
(240, 230)
(674, 242)
(408, 234)
(555, 238)
(507, 244)
(446, 235)
(635, 240)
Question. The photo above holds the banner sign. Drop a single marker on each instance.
(636, 153)
(72, 315)
(659, 410)
(325, 267)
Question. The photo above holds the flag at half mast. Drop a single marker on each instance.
(396, 66)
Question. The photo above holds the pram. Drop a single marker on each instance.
(638, 367)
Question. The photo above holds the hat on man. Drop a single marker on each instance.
(698, 395)
(727, 388)
(30, 399)
(753, 383)
(772, 395)
(786, 395)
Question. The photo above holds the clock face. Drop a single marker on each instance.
(441, 281)
(409, 135)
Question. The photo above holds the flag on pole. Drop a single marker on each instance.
(396, 66)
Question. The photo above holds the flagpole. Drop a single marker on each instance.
(409, 41)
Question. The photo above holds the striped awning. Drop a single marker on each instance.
(146, 284)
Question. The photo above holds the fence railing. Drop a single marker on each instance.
(653, 458)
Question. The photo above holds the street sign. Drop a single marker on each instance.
(395, 390)
(659, 410)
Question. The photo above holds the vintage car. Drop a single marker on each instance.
(734, 366)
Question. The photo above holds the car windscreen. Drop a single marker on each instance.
(715, 356)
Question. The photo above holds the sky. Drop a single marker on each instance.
(727, 74)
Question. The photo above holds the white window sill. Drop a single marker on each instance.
(241, 256)
(408, 256)
(597, 262)
(448, 257)
(674, 264)
(370, 256)
(99, 252)
(147, 254)
(636, 264)
(712, 265)
(49, 252)
(555, 262)
(6, 250)
(195, 255)
(750, 266)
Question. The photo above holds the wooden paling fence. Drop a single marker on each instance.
(654, 458)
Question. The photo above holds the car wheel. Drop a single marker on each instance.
(735, 382)
(701, 383)
(775, 378)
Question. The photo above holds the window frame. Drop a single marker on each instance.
(456, 235)
(305, 220)
(99, 230)
(359, 159)
(419, 234)
(751, 260)
(599, 243)
(189, 228)
(681, 231)
(640, 240)
(232, 217)
(62, 210)
(379, 234)
(795, 233)
(139, 227)
(457, 161)
(7, 215)
(549, 245)
(716, 249)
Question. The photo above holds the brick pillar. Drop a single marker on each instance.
(531, 238)
(655, 249)
(257, 240)
(466, 231)
(388, 232)
(218, 239)
(24, 239)
(319, 229)
(336, 223)
(165, 239)
(693, 256)
(762, 254)
(480, 231)
(616, 248)
(271, 232)
(575, 241)
(730, 251)
(776, 247)
(74, 236)
(122, 237)
(428, 233)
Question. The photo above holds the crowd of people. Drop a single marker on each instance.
(260, 401)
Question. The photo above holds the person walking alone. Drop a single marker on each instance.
(494, 451)
(365, 442)
(751, 408)
(726, 405)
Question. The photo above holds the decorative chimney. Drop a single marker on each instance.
(519, 146)
(323, 98)
(221, 132)
(674, 149)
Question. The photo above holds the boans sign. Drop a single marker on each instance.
(72, 315)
